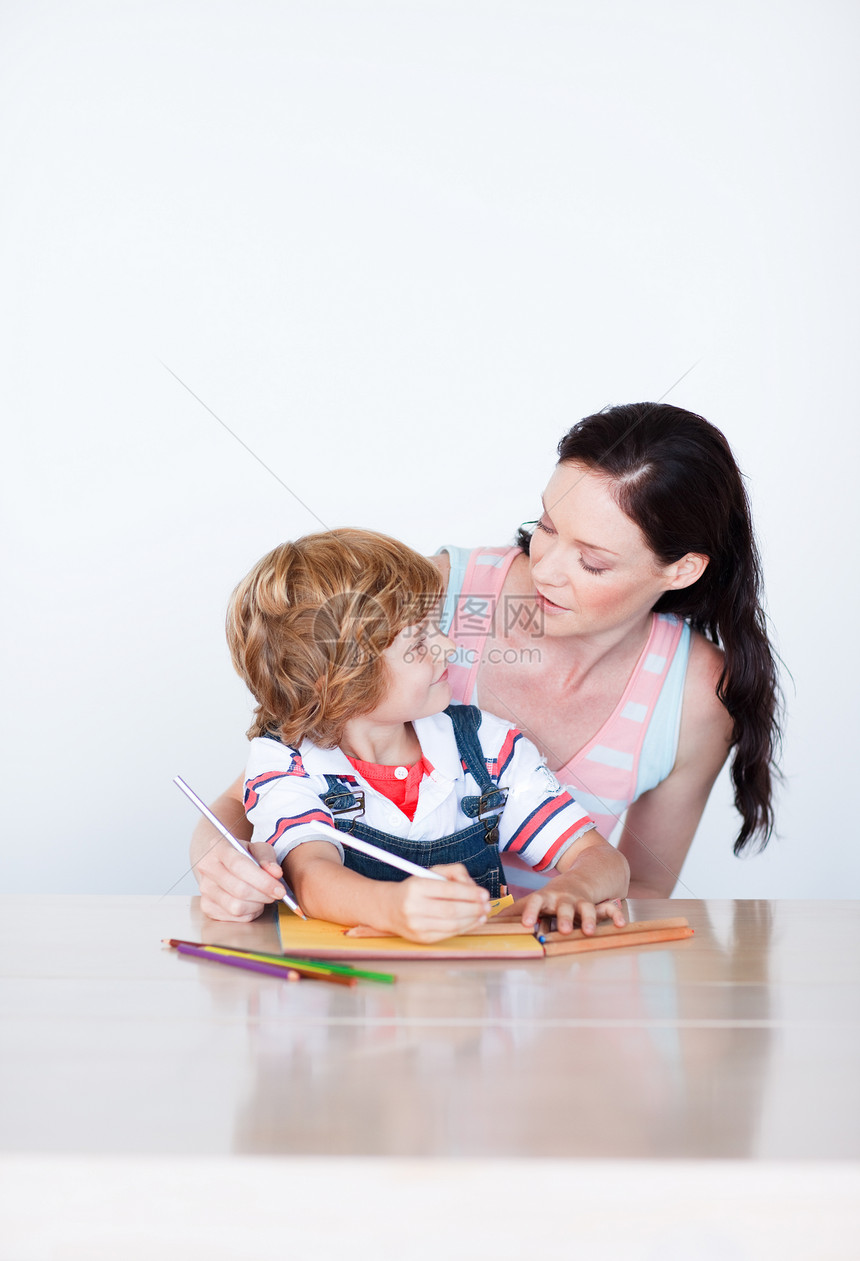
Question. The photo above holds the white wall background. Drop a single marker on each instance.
(398, 248)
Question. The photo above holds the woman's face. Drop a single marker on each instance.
(590, 564)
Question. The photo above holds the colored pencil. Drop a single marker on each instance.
(582, 945)
(310, 972)
(607, 929)
(180, 783)
(233, 961)
(317, 965)
(311, 967)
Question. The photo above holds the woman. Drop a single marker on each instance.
(624, 635)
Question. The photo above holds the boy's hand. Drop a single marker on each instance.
(232, 887)
(430, 910)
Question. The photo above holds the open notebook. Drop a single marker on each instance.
(318, 938)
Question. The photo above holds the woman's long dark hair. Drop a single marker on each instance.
(674, 475)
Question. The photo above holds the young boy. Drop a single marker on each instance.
(335, 637)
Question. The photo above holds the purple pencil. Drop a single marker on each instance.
(232, 961)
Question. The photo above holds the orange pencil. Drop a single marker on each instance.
(563, 945)
(607, 929)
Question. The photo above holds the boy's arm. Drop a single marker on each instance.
(231, 887)
(417, 909)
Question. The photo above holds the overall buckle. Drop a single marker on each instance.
(349, 801)
(489, 801)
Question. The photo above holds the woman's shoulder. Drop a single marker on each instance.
(448, 555)
(442, 561)
(460, 567)
(704, 716)
(705, 664)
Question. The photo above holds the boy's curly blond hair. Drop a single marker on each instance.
(308, 626)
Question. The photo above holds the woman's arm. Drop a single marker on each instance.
(660, 826)
(231, 887)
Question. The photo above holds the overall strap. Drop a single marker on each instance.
(466, 719)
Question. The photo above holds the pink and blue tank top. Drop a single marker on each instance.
(635, 748)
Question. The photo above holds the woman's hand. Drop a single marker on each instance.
(593, 878)
(430, 910)
(567, 904)
(234, 888)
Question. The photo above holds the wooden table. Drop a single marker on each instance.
(700, 1098)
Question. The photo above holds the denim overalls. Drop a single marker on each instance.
(476, 846)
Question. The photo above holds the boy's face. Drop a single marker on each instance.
(417, 675)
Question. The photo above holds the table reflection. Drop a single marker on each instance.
(647, 1051)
